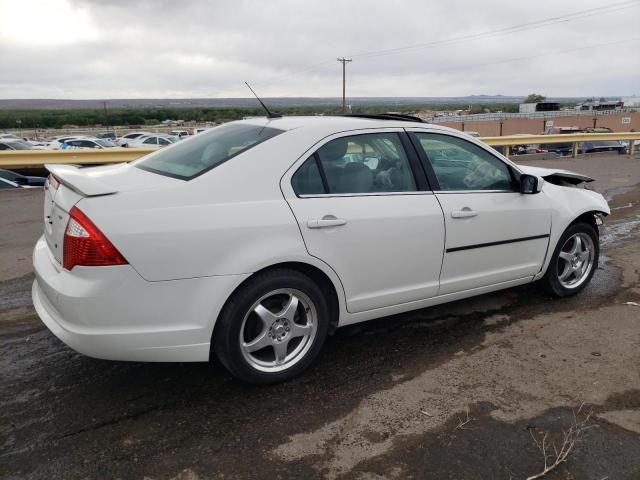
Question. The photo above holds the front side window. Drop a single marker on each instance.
(150, 141)
(194, 156)
(462, 165)
(368, 163)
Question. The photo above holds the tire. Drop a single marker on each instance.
(571, 270)
(272, 328)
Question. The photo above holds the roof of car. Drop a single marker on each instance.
(340, 122)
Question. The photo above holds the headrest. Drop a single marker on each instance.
(334, 150)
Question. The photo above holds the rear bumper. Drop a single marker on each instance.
(113, 313)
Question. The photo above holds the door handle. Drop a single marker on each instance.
(326, 221)
(466, 212)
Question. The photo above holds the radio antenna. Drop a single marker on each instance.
(270, 114)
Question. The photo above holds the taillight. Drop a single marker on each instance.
(86, 245)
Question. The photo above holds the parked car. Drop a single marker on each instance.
(129, 137)
(9, 136)
(604, 146)
(7, 184)
(8, 143)
(86, 143)
(55, 143)
(152, 141)
(560, 148)
(22, 180)
(180, 134)
(254, 240)
(525, 148)
(107, 136)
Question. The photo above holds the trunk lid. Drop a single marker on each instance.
(75, 183)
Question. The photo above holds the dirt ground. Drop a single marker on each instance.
(460, 391)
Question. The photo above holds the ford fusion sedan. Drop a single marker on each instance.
(254, 240)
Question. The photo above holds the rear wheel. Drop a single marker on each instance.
(574, 261)
(272, 328)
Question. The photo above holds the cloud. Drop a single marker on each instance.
(191, 48)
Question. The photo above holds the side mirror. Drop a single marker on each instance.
(528, 184)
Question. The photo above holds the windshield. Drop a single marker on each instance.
(189, 158)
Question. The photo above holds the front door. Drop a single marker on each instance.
(363, 208)
(494, 234)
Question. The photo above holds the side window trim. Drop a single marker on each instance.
(421, 177)
(424, 161)
(431, 172)
(323, 177)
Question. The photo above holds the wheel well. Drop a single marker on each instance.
(318, 276)
(590, 218)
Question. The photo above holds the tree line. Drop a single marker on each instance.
(151, 116)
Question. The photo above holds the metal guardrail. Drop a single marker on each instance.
(38, 158)
(574, 138)
(550, 115)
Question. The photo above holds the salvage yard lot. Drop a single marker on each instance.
(459, 391)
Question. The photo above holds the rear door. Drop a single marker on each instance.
(494, 234)
(364, 208)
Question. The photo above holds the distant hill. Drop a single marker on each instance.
(116, 103)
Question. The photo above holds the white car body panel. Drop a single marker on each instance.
(408, 247)
(498, 218)
(190, 244)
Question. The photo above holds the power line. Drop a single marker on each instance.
(466, 38)
(528, 57)
(507, 30)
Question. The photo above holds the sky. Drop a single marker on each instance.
(94, 49)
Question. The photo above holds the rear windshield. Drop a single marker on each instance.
(190, 158)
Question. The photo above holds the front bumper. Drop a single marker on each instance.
(113, 313)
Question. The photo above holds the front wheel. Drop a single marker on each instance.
(272, 328)
(574, 261)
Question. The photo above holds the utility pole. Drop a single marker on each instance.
(344, 62)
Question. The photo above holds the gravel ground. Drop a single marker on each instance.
(457, 391)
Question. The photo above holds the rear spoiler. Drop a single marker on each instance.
(79, 180)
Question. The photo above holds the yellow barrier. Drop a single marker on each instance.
(38, 158)
(574, 138)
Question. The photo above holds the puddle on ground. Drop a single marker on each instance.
(618, 232)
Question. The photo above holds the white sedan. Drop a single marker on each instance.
(252, 241)
(152, 141)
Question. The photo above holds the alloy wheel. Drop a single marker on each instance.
(278, 330)
(576, 260)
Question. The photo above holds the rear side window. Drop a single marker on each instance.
(189, 158)
(368, 163)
